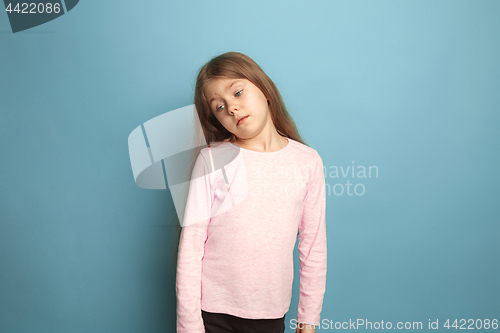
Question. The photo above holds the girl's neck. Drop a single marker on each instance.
(266, 144)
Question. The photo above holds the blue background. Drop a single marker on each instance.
(411, 87)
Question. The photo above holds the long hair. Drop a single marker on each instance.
(235, 65)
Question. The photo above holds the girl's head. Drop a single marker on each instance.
(253, 93)
(231, 86)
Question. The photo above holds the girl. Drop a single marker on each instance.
(252, 189)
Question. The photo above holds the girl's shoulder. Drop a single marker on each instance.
(306, 151)
(217, 143)
(218, 148)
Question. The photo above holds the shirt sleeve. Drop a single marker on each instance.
(312, 248)
(192, 249)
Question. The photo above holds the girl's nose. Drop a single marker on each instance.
(232, 107)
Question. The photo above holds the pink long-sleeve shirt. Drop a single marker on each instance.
(242, 215)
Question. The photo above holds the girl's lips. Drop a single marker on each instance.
(242, 120)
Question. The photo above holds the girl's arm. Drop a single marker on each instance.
(312, 249)
(192, 249)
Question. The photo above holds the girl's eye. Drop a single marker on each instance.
(237, 94)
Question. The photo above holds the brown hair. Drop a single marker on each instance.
(236, 65)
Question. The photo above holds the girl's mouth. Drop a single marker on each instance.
(242, 120)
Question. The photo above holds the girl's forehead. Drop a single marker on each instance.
(221, 84)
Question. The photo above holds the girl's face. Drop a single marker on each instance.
(232, 100)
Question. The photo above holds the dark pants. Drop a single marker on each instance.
(226, 323)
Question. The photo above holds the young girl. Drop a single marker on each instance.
(252, 189)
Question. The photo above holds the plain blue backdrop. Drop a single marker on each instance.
(410, 87)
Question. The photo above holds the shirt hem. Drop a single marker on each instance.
(245, 314)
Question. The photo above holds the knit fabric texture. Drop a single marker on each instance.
(242, 215)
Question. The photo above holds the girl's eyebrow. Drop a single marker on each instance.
(227, 87)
